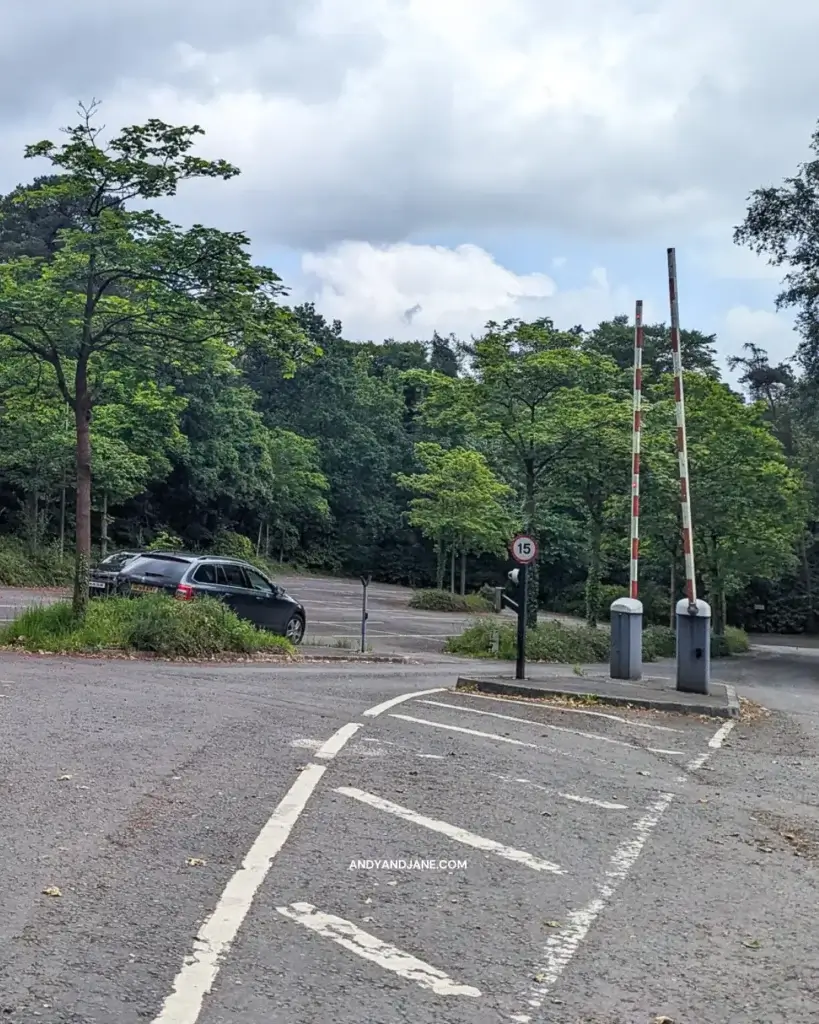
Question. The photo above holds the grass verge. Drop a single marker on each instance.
(574, 645)
(444, 601)
(156, 625)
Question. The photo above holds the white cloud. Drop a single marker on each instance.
(407, 291)
(772, 331)
(386, 119)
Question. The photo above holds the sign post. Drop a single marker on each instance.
(365, 582)
(524, 551)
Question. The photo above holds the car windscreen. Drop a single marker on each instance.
(170, 569)
(116, 561)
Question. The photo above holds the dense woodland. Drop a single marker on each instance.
(157, 388)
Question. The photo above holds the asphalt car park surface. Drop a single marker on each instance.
(336, 842)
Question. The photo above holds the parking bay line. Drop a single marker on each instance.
(556, 728)
(366, 945)
(451, 831)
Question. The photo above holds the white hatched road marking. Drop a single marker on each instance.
(569, 711)
(560, 948)
(365, 945)
(606, 805)
(329, 749)
(556, 728)
(195, 979)
(460, 835)
(379, 709)
(499, 738)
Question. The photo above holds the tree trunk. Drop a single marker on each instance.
(259, 539)
(593, 575)
(82, 423)
(62, 519)
(452, 570)
(440, 568)
(810, 619)
(672, 594)
(104, 525)
(530, 512)
(33, 521)
(463, 573)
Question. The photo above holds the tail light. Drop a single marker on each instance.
(184, 592)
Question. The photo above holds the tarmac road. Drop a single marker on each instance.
(580, 865)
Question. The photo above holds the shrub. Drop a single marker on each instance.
(659, 642)
(444, 601)
(19, 568)
(548, 641)
(233, 545)
(166, 540)
(156, 624)
(734, 641)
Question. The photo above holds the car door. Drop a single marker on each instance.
(274, 610)
(237, 592)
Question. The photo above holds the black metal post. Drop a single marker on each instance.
(365, 582)
(523, 593)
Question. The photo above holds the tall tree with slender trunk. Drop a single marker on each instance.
(126, 286)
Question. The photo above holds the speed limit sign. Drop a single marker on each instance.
(524, 550)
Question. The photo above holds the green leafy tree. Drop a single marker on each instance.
(525, 383)
(135, 438)
(296, 493)
(782, 223)
(598, 476)
(458, 503)
(747, 504)
(127, 285)
(615, 339)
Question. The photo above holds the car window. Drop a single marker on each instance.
(257, 581)
(171, 569)
(234, 575)
(205, 574)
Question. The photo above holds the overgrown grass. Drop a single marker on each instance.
(444, 601)
(19, 568)
(548, 641)
(159, 625)
(575, 645)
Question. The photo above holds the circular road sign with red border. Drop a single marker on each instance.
(524, 549)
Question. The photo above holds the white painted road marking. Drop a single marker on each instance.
(337, 740)
(719, 736)
(569, 711)
(195, 979)
(452, 831)
(606, 805)
(557, 728)
(500, 739)
(379, 709)
(365, 945)
(561, 948)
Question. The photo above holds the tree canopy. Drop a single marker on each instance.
(156, 384)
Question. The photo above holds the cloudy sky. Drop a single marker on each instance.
(430, 164)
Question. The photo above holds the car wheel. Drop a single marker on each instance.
(295, 629)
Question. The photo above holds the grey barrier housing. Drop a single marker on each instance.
(626, 658)
(693, 646)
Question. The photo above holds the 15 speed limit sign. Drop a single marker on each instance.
(524, 550)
